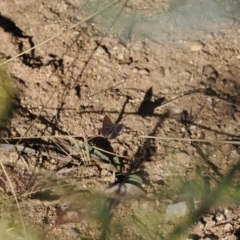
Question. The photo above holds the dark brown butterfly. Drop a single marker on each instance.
(109, 129)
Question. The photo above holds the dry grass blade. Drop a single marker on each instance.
(86, 142)
(135, 136)
(15, 197)
(183, 139)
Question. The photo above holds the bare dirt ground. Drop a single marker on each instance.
(163, 69)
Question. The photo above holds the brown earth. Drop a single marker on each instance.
(162, 68)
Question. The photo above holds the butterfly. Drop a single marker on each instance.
(109, 129)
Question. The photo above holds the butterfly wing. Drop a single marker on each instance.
(106, 127)
(116, 129)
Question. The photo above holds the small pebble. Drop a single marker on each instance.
(196, 46)
(228, 227)
(176, 210)
(124, 190)
(210, 71)
(220, 217)
(71, 232)
(120, 56)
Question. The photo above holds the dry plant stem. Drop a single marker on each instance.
(61, 148)
(86, 142)
(61, 185)
(137, 136)
(113, 154)
(25, 164)
(185, 139)
(197, 92)
(59, 34)
(15, 197)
